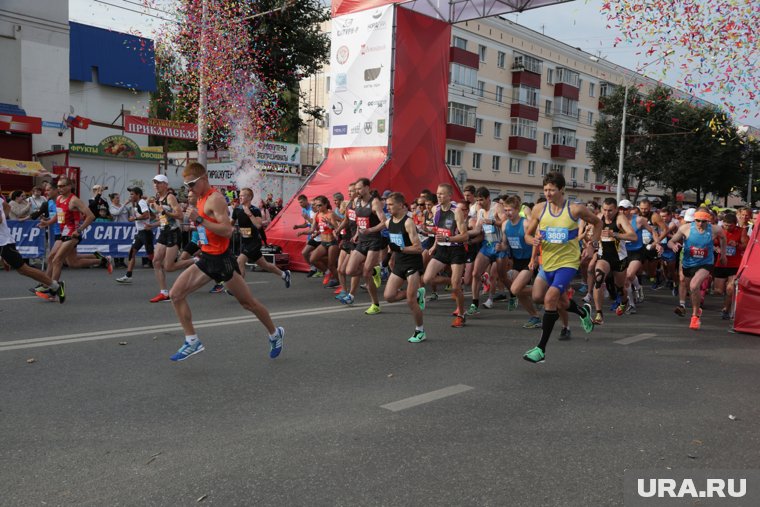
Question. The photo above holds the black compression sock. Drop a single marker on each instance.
(550, 318)
(129, 274)
(574, 308)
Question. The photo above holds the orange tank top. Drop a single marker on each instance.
(210, 242)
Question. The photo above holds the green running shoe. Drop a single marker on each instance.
(534, 355)
(376, 277)
(472, 310)
(586, 322)
(512, 304)
(419, 336)
(421, 298)
(373, 310)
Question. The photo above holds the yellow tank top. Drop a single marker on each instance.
(559, 235)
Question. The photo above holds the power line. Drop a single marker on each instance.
(135, 10)
(146, 6)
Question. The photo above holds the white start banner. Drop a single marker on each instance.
(360, 66)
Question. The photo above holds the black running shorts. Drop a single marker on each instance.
(450, 255)
(169, 237)
(220, 268)
(10, 255)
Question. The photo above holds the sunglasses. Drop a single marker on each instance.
(701, 221)
(61, 186)
(191, 183)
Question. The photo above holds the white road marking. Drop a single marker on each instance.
(635, 338)
(397, 406)
(20, 297)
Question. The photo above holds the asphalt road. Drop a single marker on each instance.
(102, 417)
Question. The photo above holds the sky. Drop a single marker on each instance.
(577, 23)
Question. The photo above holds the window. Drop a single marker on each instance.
(454, 157)
(567, 107)
(528, 197)
(460, 43)
(563, 137)
(548, 108)
(481, 88)
(586, 173)
(531, 168)
(514, 165)
(589, 147)
(476, 161)
(544, 168)
(590, 117)
(496, 130)
(495, 162)
(567, 76)
(525, 95)
(464, 76)
(521, 127)
(327, 84)
(547, 140)
(573, 173)
(501, 56)
(599, 177)
(479, 126)
(605, 89)
(573, 198)
(482, 52)
(558, 168)
(580, 84)
(550, 76)
(460, 114)
(499, 94)
(591, 87)
(524, 62)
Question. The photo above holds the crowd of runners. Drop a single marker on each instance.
(527, 254)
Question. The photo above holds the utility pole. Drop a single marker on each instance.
(202, 147)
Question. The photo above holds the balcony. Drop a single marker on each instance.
(460, 133)
(523, 111)
(563, 152)
(565, 90)
(464, 57)
(522, 76)
(522, 144)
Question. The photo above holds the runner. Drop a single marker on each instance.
(489, 220)
(736, 242)
(407, 266)
(140, 215)
(514, 243)
(250, 223)
(307, 213)
(339, 211)
(612, 257)
(347, 231)
(324, 229)
(217, 263)
(12, 258)
(658, 226)
(556, 222)
(166, 207)
(471, 207)
(637, 253)
(450, 226)
(365, 258)
(191, 248)
(69, 210)
(698, 257)
(668, 258)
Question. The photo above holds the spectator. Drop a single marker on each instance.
(20, 207)
(103, 215)
(276, 208)
(36, 200)
(97, 199)
(119, 211)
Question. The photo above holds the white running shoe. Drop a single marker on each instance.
(124, 279)
(488, 304)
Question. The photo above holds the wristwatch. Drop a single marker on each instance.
(198, 220)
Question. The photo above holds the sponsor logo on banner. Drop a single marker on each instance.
(337, 108)
(356, 129)
(342, 55)
(372, 74)
(371, 49)
(368, 127)
(345, 27)
(380, 103)
(340, 130)
(377, 14)
(341, 82)
(381, 126)
(377, 25)
(357, 106)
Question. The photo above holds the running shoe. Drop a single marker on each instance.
(586, 321)
(656, 286)
(565, 334)
(376, 278)
(458, 321)
(318, 274)
(363, 286)
(533, 323)
(488, 303)
(621, 309)
(512, 304)
(341, 295)
(326, 279)
(275, 344)
(485, 279)
(583, 289)
(472, 310)
(41, 287)
(725, 315)
(695, 322)
(45, 293)
(161, 297)
(433, 296)
(615, 304)
(287, 278)
(372, 310)
(339, 289)
(332, 284)
(674, 292)
(500, 297)
(187, 350)
(61, 292)
(421, 299)
(217, 289)
(632, 310)
(535, 355)
(348, 299)
(419, 336)
(109, 264)
(640, 294)
(124, 279)
(587, 298)
(680, 310)
(311, 273)
(384, 274)
(598, 320)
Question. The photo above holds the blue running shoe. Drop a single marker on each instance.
(287, 278)
(341, 295)
(187, 350)
(615, 304)
(583, 289)
(275, 344)
(348, 299)
(217, 289)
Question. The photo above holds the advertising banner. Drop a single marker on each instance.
(22, 124)
(160, 128)
(110, 238)
(271, 152)
(29, 238)
(360, 66)
(117, 146)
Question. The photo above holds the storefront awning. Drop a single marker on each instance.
(22, 168)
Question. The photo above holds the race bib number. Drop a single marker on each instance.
(698, 253)
(442, 231)
(514, 243)
(556, 235)
(646, 236)
(730, 251)
(352, 215)
(245, 232)
(61, 216)
(397, 239)
(489, 229)
(163, 220)
(202, 237)
(321, 227)
(362, 223)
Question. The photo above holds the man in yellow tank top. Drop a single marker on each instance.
(553, 226)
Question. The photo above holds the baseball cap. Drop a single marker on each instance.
(386, 194)
(689, 216)
(625, 203)
(136, 190)
(161, 178)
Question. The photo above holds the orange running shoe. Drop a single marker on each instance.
(458, 321)
(161, 297)
(695, 322)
